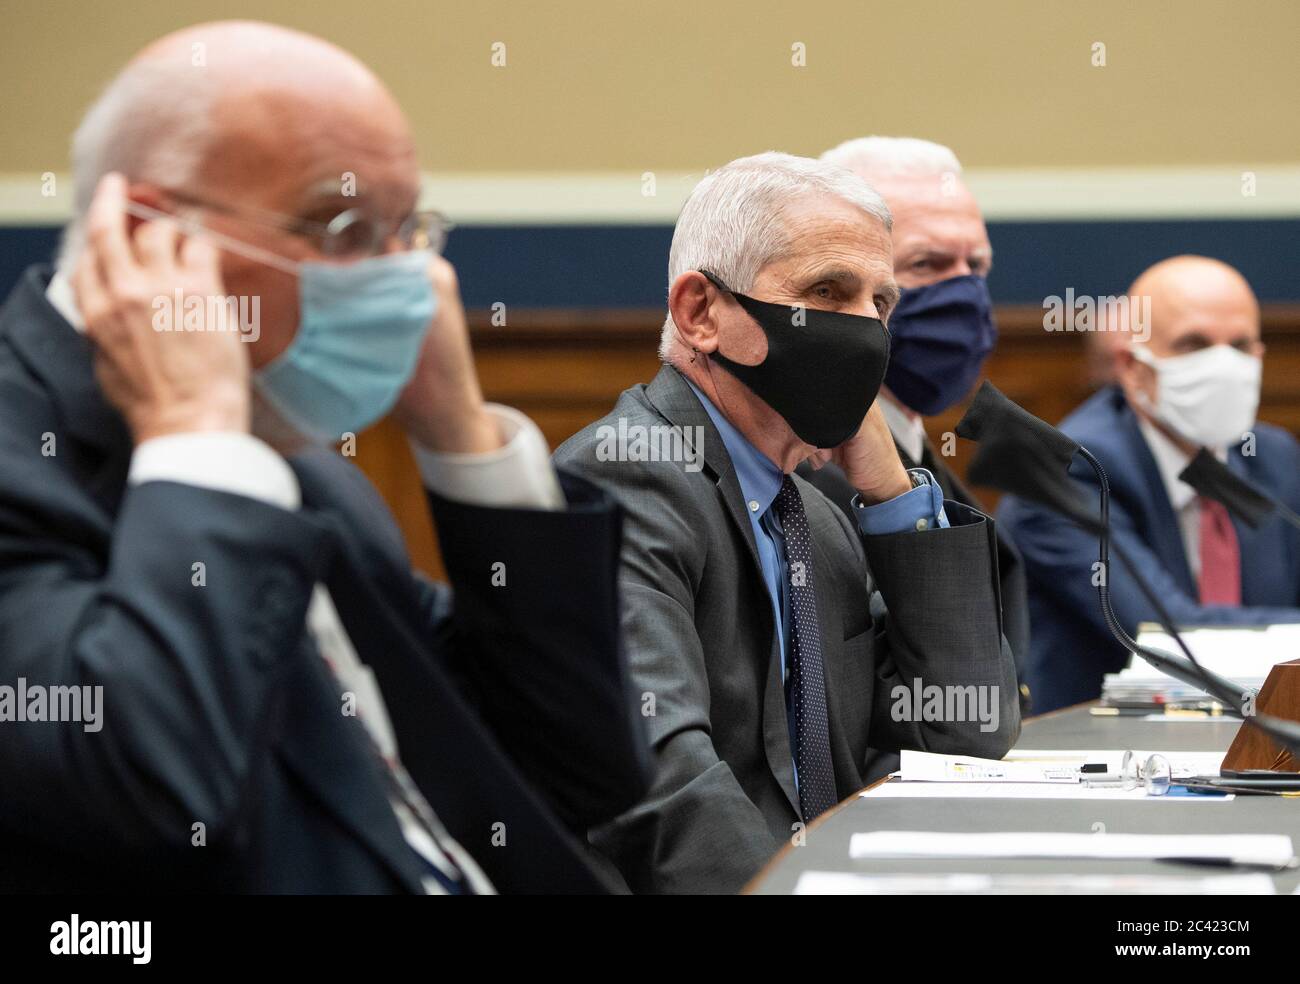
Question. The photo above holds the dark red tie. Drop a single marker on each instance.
(1220, 556)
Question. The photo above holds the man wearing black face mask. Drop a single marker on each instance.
(777, 643)
(941, 331)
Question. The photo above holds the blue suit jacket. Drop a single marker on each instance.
(511, 705)
(1071, 648)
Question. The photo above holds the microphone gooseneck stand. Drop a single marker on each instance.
(1026, 456)
(1285, 733)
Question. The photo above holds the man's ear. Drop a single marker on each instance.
(1133, 376)
(694, 304)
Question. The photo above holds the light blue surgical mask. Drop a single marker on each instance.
(361, 326)
(360, 329)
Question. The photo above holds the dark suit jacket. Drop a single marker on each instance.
(705, 654)
(1071, 649)
(511, 706)
(831, 482)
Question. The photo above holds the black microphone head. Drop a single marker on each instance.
(1213, 479)
(1023, 455)
(989, 403)
(991, 414)
(1027, 471)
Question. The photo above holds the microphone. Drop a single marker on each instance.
(1023, 455)
(1214, 480)
(1028, 457)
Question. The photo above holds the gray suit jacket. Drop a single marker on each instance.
(831, 481)
(705, 656)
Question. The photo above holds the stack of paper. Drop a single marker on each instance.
(1243, 656)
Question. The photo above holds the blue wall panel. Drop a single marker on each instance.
(626, 266)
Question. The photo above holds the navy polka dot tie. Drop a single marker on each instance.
(812, 753)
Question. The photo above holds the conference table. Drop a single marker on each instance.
(827, 839)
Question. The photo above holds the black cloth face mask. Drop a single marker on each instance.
(821, 375)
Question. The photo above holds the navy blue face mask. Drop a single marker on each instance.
(939, 337)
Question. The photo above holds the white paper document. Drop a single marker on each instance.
(1024, 790)
(1268, 850)
(1041, 765)
(852, 883)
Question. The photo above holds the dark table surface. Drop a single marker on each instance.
(827, 840)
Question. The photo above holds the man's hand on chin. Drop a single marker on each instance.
(870, 460)
(163, 382)
(442, 407)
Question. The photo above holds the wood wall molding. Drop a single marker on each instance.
(566, 368)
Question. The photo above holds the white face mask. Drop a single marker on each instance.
(1208, 397)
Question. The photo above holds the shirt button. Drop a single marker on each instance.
(922, 523)
(753, 505)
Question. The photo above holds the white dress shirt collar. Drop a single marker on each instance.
(1170, 461)
(908, 429)
(64, 301)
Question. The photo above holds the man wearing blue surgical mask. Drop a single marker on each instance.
(942, 330)
(246, 281)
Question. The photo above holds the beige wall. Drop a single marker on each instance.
(666, 84)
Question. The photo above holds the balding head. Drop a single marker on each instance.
(1197, 301)
(260, 118)
(1189, 304)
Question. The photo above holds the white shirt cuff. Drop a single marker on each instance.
(517, 475)
(225, 461)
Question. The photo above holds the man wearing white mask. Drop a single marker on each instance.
(1194, 382)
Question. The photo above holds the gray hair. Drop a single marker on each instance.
(875, 157)
(152, 123)
(733, 224)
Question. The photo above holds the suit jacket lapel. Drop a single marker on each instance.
(673, 398)
(62, 358)
(669, 393)
(466, 777)
(329, 761)
(1163, 527)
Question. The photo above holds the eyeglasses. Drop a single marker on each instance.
(1153, 774)
(352, 234)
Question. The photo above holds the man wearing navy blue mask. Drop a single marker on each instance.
(282, 705)
(942, 330)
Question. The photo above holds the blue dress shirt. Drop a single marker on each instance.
(921, 508)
